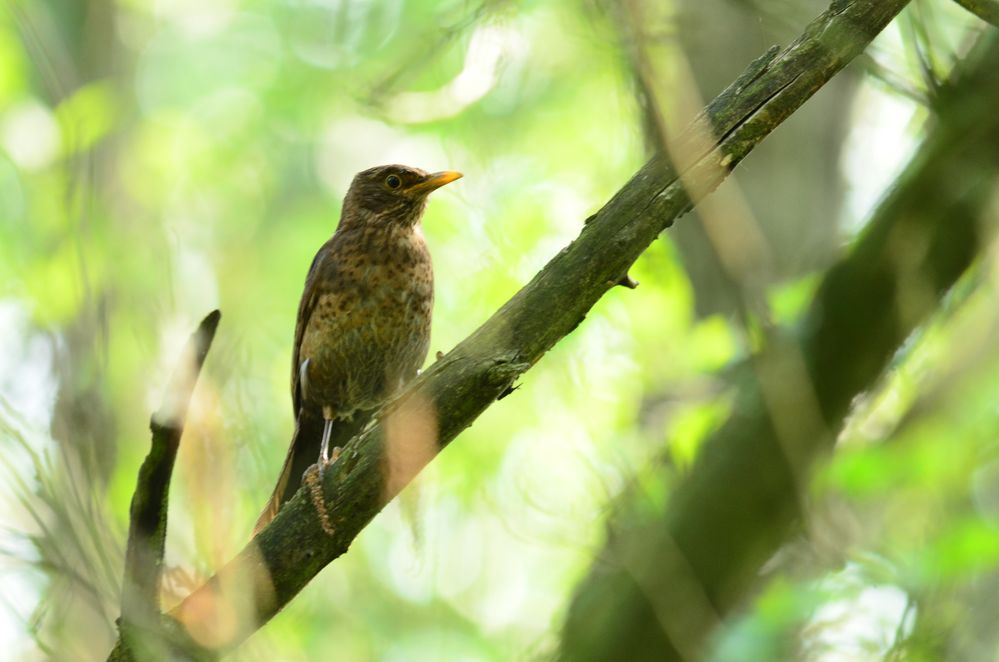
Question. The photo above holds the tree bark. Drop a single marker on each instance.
(451, 394)
(140, 594)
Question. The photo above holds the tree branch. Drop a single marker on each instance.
(987, 10)
(452, 393)
(140, 595)
(665, 579)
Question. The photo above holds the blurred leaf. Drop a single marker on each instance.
(88, 115)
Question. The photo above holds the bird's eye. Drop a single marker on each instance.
(393, 181)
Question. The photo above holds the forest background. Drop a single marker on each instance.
(159, 159)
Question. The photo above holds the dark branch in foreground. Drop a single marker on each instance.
(140, 596)
(664, 579)
(454, 391)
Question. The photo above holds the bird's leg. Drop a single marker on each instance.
(314, 474)
(324, 446)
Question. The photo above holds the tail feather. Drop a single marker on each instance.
(303, 452)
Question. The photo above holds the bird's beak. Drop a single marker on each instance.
(435, 181)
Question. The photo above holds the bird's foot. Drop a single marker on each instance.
(324, 462)
(313, 479)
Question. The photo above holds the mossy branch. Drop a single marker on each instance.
(454, 391)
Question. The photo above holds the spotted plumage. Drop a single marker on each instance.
(363, 326)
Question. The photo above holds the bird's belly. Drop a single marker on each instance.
(364, 352)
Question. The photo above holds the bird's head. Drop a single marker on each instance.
(393, 194)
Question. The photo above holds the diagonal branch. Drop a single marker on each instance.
(987, 10)
(453, 392)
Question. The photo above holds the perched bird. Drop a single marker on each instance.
(363, 326)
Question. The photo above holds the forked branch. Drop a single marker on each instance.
(454, 391)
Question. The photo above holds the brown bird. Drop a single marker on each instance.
(363, 326)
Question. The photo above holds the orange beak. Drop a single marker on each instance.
(435, 181)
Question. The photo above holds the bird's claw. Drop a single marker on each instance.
(313, 480)
(324, 462)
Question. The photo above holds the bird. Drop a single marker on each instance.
(363, 325)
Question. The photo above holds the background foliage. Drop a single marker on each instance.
(159, 158)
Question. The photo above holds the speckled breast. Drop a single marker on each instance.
(370, 331)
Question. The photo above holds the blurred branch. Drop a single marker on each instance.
(894, 81)
(140, 603)
(664, 579)
(987, 10)
(430, 45)
(454, 391)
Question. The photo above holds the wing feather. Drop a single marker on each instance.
(310, 295)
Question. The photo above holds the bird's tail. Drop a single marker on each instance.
(302, 452)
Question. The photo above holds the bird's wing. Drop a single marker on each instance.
(306, 430)
(310, 296)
